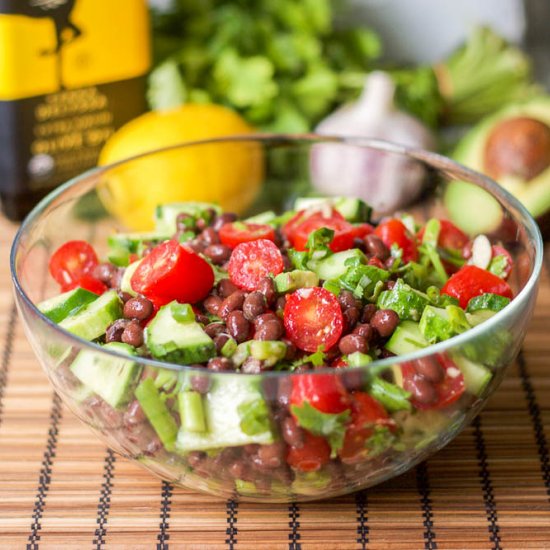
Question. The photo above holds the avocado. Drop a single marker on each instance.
(518, 130)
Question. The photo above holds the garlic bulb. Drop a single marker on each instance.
(386, 181)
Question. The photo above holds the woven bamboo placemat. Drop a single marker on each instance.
(61, 488)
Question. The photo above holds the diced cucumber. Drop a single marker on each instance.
(335, 266)
(476, 376)
(122, 245)
(157, 412)
(126, 281)
(437, 324)
(68, 303)
(354, 210)
(111, 378)
(191, 411)
(392, 396)
(487, 301)
(268, 351)
(358, 359)
(479, 316)
(266, 217)
(221, 404)
(166, 214)
(406, 301)
(92, 321)
(172, 337)
(406, 338)
(293, 280)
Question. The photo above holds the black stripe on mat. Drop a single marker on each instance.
(232, 509)
(45, 478)
(104, 503)
(423, 486)
(6, 355)
(536, 419)
(294, 525)
(487, 486)
(165, 506)
(361, 507)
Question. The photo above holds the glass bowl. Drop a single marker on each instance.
(251, 462)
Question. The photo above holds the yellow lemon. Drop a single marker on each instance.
(227, 173)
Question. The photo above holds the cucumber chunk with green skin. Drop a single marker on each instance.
(122, 245)
(268, 351)
(92, 321)
(172, 337)
(191, 411)
(479, 316)
(126, 281)
(69, 303)
(437, 324)
(111, 378)
(406, 338)
(358, 359)
(354, 210)
(476, 376)
(406, 301)
(335, 265)
(487, 301)
(157, 413)
(166, 214)
(293, 280)
(228, 395)
(393, 397)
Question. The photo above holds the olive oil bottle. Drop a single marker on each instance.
(71, 73)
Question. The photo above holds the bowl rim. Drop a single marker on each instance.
(432, 159)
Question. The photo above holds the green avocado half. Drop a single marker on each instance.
(472, 208)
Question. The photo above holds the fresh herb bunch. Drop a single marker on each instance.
(282, 64)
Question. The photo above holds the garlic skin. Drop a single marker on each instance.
(386, 181)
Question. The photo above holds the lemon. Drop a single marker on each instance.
(227, 173)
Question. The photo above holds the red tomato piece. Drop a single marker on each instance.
(498, 250)
(232, 234)
(393, 231)
(361, 230)
(311, 456)
(448, 390)
(470, 281)
(313, 318)
(298, 230)
(172, 272)
(450, 236)
(325, 392)
(89, 283)
(71, 261)
(252, 261)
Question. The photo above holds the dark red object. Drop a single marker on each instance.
(361, 230)
(450, 236)
(313, 318)
(89, 283)
(393, 231)
(470, 281)
(172, 272)
(253, 261)
(311, 456)
(233, 234)
(325, 392)
(71, 261)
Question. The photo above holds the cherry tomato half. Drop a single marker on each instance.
(71, 261)
(311, 456)
(251, 262)
(232, 234)
(313, 318)
(450, 236)
(89, 283)
(172, 272)
(393, 231)
(470, 281)
(325, 392)
(361, 230)
(298, 231)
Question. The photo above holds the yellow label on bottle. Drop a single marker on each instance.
(51, 45)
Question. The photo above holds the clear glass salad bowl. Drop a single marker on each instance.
(267, 172)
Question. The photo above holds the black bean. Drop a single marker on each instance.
(134, 415)
(184, 222)
(202, 319)
(287, 263)
(269, 330)
(153, 447)
(422, 390)
(280, 303)
(351, 316)
(389, 284)
(267, 287)
(212, 304)
(352, 343)
(225, 288)
(376, 247)
(364, 330)
(368, 311)
(290, 350)
(237, 469)
(271, 456)
(292, 433)
(116, 279)
(213, 329)
(222, 219)
(201, 224)
(139, 308)
(200, 383)
(133, 334)
(251, 448)
(360, 244)
(347, 299)
(194, 458)
(384, 321)
(105, 272)
(254, 305)
(209, 236)
(238, 326)
(231, 303)
(124, 296)
(218, 253)
(220, 340)
(251, 366)
(218, 364)
(430, 369)
(261, 319)
(197, 245)
(114, 330)
(283, 391)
